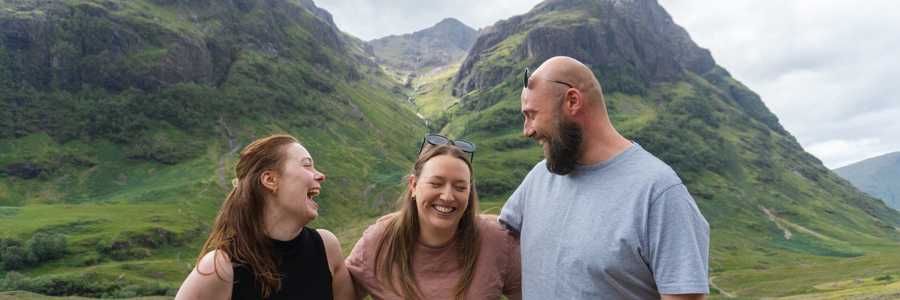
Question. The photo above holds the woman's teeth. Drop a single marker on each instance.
(444, 209)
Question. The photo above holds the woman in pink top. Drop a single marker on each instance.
(437, 245)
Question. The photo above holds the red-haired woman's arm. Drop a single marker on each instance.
(211, 279)
(341, 282)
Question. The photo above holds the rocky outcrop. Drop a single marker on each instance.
(635, 39)
(321, 13)
(54, 44)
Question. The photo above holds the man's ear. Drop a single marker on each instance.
(573, 102)
(411, 183)
(269, 180)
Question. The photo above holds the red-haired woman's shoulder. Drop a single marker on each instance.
(217, 262)
(211, 279)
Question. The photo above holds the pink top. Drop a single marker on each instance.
(497, 271)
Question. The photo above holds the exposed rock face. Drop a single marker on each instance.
(52, 44)
(321, 13)
(55, 45)
(444, 43)
(637, 38)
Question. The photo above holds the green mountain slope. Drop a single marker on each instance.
(878, 176)
(776, 212)
(121, 119)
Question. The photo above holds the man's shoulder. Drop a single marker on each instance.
(538, 172)
(540, 167)
(653, 169)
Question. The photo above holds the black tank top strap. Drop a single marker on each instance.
(302, 264)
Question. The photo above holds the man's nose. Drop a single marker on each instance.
(527, 129)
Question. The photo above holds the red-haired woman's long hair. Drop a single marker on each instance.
(238, 230)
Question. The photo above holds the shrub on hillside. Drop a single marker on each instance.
(46, 246)
(88, 284)
(12, 255)
(40, 248)
(84, 284)
(134, 245)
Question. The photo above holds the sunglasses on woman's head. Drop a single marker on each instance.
(437, 139)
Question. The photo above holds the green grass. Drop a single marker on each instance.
(433, 93)
(19, 295)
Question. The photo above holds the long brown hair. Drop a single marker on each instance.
(402, 232)
(238, 230)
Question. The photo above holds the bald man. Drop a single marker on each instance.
(600, 217)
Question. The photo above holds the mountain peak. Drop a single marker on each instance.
(441, 44)
(450, 22)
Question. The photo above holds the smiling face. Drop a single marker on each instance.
(545, 123)
(441, 192)
(298, 184)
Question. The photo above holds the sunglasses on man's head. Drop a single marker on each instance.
(437, 139)
(528, 76)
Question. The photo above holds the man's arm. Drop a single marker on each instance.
(678, 244)
(511, 214)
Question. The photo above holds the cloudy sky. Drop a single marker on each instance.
(828, 69)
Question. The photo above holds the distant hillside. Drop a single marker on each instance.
(878, 176)
(445, 43)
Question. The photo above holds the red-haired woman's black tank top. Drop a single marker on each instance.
(302, 264)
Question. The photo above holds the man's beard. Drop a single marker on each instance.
(563, 147)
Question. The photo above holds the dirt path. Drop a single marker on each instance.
(233, 146)
(783, 224)
(725, 293)
(774, 219)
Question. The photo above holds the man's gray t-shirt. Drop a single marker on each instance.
(626, 228)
